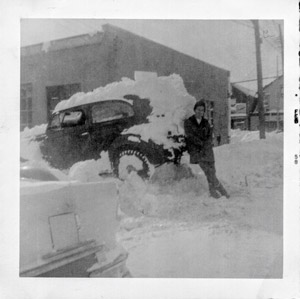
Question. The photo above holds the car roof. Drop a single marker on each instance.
(130, 102)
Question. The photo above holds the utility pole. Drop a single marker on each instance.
(279, 95)
(261, 112)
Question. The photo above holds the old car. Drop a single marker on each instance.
(67, 229)
(82, 132)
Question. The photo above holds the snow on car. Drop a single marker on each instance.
(68, 228)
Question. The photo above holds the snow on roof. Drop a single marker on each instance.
(250, 88)
(244, 89)
(273, 80)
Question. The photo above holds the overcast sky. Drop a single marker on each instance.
(228, 44)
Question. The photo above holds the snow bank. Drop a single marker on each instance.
(238, 135)
(30, 149)
(173, 216)
(91, 170)
(173, 190)
(251, 161)
(37, 130)
(239, 237)
(168, 97)
(169, 173)
(135, 198)
(181, 192)
(245, 169)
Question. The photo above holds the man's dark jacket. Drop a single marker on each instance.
(199, 140)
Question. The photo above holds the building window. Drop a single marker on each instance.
(26, 106)
(267, 102)
(57, 93)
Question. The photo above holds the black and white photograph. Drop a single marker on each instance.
(156, 156)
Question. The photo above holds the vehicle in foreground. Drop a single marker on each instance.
(67, 229)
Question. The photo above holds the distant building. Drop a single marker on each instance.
(273, 107)
(242, 98)
(54, 71)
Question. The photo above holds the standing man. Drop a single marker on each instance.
(199, 145)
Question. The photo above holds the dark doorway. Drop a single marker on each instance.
(57, 93)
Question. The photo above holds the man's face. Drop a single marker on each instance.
(199, 112)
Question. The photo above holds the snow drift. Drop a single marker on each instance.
(240, 237)
(191, 235)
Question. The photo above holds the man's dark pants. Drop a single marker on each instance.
(209, 170)
(214, 184)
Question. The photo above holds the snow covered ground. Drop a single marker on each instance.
(187, 234)
(172, 228)
(169, 225)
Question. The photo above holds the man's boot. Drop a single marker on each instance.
(213, 192)
(222, 190)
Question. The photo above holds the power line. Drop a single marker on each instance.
(251, 80)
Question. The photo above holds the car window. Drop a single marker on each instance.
(107, 111)
(56, 121)
(73, 118)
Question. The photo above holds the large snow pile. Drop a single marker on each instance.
(172, 215)
(238, 135)
(242, 167)
(251, 160)
(190, 234)
(168, 97)
(88, 171)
